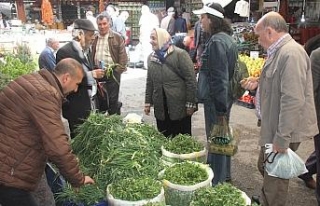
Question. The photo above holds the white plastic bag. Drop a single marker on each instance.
(132, 118)
(284, 165)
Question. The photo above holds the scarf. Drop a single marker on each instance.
(164, 42)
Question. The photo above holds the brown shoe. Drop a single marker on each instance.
(310, 184)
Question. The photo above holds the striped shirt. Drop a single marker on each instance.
(102, 51)
(270, 52)
(275, 46)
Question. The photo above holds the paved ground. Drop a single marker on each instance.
(244, 172)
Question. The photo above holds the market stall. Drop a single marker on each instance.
(251, 54)
(133, 164)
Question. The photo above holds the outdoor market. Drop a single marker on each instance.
(122, 143)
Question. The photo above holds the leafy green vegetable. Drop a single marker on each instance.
(12, 67)
(133, 189)
(110, 151)
(88, 194)
(222, 195)
(183, 144)
(110, 69)
(186, 173)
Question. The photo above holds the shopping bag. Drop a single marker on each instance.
(221, 140)
(284, 165)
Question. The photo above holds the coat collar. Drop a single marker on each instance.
(78, 49)
(287, 39)
(52, 80)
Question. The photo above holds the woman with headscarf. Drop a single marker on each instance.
(217, 66)
(171, 85)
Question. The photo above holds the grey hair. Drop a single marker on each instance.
(50, 41)
(276, 22)
(104, 15)
(76, 33)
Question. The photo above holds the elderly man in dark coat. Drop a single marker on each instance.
(79, 104)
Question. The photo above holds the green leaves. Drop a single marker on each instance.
(186, 173)
(109, 151)
(12, 67)
(133, 189)
(183, 144)
(222, 195)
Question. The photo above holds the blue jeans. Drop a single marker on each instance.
(220, 164)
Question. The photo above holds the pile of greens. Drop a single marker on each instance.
(183, 144)
(12, 67)
(185, 173)
(110, 151)
(135, 189)
(222, 195)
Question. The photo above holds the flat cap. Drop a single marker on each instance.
(84, 24)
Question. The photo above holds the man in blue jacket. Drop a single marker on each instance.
(47, 58)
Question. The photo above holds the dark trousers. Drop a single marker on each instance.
(311, 165)
(317, 147)
(15, 197)
(111, 102)
(171, 128)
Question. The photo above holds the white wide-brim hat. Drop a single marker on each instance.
(223, 3)
(208, 10)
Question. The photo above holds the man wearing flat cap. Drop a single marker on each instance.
(79, 104)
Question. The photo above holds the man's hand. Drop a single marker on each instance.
(147, 109)
(98, 73)
(250, 83)
(276, 148)
(190, 111)
(87, 180)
